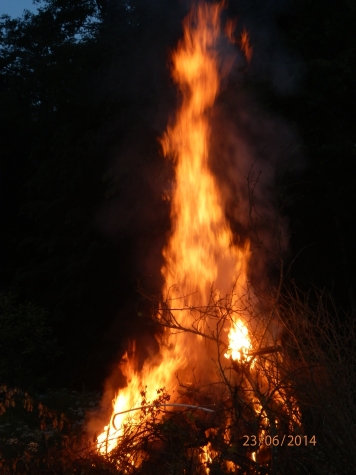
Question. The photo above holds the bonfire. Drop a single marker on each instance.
(217, 376)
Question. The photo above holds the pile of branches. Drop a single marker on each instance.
(289, 408)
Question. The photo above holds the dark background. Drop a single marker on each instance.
(85, 91)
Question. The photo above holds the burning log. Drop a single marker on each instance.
(248, 357)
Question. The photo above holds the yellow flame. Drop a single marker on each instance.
(239, 342)
(200, 253)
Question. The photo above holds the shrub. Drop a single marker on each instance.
(28, 347)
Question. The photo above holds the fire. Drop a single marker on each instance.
(200, 254)
(244, 42)
(245, 45)
(151, 377)
(239, 343)
(202, 261)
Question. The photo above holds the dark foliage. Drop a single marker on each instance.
(324, 110)
(73, 100)
(27, 346)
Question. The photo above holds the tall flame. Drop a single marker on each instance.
(200, 250)
(200, 254)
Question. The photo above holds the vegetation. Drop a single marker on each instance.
(27, 344)
(35, 438)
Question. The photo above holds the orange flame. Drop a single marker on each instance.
(245, 45)
(200, 253)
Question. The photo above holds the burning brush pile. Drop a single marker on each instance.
(220, 397)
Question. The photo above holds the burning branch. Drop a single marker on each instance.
(155, 406)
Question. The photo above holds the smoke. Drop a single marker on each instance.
(251, 152)
(254, 151)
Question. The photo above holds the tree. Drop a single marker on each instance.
(53, 136)
(323, 107)
(76, 89)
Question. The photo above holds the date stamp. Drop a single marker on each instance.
(286, 440)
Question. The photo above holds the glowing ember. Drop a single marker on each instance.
(206, 457)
